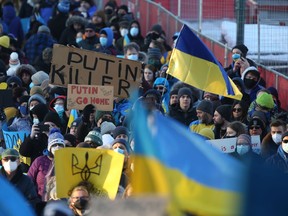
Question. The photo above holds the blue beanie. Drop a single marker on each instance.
(64, 6)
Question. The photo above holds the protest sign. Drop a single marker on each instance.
(85, 67)
(78, 96)
(12, 137)
(101, 167)
(227, 145)
(256, 144)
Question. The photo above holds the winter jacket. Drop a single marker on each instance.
(109, 48)
(178, 114)
(38, 171)
(279, 160)
(57, 24)
(89, 43)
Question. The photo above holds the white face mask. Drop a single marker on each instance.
(124, 32)
(10, 166)
(242, 149)
(277, 138)
(36, 121)
(285, 147)
(133, 57)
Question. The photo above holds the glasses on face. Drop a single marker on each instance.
(13, 85)
(285, 141)
(159, 88)
(256, 127)
(9, 158)
(237, 110)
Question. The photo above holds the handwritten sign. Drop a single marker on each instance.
(85, 67)
(227, 145)
(256, 144)
(101, 167)
(12, 137)
(81, 95)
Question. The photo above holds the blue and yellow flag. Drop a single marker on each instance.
(170, 161)
(72, 117)
(193, 63)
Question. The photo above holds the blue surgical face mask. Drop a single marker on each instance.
(242, 149)
(236, 56)
(103, 41)
(23, 110)
(36, 121)
(78, 40)
(133, 57)
(134, 31)
(121, 151)
(58, 108)
(31, 85)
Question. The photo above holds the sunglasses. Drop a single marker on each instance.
(13, 85)
(254, 127)
(285, 141)
(88, 30)
(10, 158)
(159, 88)
(237, 109)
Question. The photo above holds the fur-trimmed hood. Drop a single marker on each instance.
(76, 19)
(25, 68)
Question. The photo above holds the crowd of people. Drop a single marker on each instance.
(41, 108)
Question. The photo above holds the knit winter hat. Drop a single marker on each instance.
(5, 41)
(173, 92)
(36, 90)
(43, 29)
(53, 117)
(100, 114)
(184, 91)
(64, 6)
(55, 137)
(244, 139)
(95, 137)
(122, 141)
(120, 130)
(207, 133)
(14, 60)
(157, 28)
(14, 79)
(71, 138)
(256, 122)
(107, 127)
(285, 134)
(242, 48)
(39, 77)
(205, 106)
(37, 97)
(23, 99)
(224, 111)
(265, 100)
(90, 26)
(153, 92)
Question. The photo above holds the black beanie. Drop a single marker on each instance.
(185, 91)
(173, 92)
(120, 130)
(224, 111)
(40, 110)
(23, 99)
(53, 117)
(242, 48)
(205, 106)
(71, 138)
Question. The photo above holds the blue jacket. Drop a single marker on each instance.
(279, 160)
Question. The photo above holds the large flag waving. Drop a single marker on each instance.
(193, 63)
(171, 161)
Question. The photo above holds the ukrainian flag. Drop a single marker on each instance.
(170, 161)
(72, 117)
(193, 63)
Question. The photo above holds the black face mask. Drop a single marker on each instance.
(108, 11)
(249, 83)
(81, 204)
(229, 136)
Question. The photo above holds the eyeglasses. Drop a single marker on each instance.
(285, 141)
(13, 85)
(256, 127)
(159, 88)
(237, 109)
(10, 158)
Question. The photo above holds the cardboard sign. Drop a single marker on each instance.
(12, 137)
(81, 95)
(227, 145)
(85, 67)
(256, 144)
(101, 167)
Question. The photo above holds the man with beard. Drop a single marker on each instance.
(91, 39)
(205, 117)
(221, 120)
